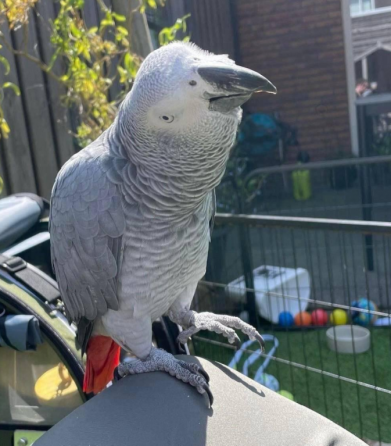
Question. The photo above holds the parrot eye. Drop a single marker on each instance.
(192, 83)
(167, 118)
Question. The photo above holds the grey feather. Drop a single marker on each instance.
(86, 247)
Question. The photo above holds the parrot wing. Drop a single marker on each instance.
(86, 227)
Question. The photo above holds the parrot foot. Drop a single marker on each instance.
(220, 324)
(161, 361)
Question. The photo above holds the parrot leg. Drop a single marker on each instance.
(225, 325)
(161, 361)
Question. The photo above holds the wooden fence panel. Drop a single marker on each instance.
(35, 101)
(41, 140)
(60, 117)
(18, 163)
(3, 174)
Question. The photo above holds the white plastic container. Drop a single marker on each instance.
(277, 289)
(348, 339)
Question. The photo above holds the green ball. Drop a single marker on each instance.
(286, 394)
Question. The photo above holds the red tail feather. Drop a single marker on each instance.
(102, 358)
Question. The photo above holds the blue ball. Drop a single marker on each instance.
(285, 319)
(361, 318)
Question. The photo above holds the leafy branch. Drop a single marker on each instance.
(94, 58)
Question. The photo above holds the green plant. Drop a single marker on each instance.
(168, 34)
(237, 193)
(93, 59)
(383, 145)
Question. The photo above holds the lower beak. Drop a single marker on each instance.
(232, 85)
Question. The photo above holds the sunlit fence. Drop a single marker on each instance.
(261, 266)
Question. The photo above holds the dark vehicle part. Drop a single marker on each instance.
(154, 409)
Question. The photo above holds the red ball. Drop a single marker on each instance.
(319, 317)
(303, 319)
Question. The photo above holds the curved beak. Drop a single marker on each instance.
(232, 85)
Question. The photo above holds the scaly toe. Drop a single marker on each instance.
(160, 360)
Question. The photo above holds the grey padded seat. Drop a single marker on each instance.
(156, 409)
(18, 213)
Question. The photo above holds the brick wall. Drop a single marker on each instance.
(299, 46)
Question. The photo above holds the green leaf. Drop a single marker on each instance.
(4, 128)
(122, 30)
(123, 74)
(168, 34)
(128, 61)
(75, 31)
(6, 64)
(93, 30)
(106, 22)
(119, 17)
(13, 87)
(53, 59)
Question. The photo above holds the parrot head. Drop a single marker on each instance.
(185, 107)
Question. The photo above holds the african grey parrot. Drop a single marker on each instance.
(130, 214)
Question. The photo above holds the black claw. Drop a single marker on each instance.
(237, 343)
(259, 338)
(210, 395)
(181, 349)
(204, 374)
(117, 376)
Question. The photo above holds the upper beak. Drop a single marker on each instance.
(232, 85)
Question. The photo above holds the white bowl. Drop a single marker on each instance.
(348, 339)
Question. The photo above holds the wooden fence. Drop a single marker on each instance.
(41, 138)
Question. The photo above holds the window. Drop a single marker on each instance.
(360, 6)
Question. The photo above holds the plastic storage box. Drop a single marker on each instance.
(276, 289)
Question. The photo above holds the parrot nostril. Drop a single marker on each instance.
(193, 83)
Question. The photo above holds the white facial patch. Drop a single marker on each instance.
(177, 112)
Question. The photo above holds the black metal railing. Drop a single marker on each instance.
(333, 264)
(352, 188)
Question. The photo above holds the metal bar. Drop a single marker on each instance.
(325, 224)
(292, 237)
(331, 282)
(246, 254)
(342, 245)
(321, 165)
(372, 351)
(301, 366)
(365, 185)
(314, 301)
(307, 242)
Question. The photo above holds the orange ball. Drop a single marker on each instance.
(303, 319)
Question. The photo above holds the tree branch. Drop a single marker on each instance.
(28, 56)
